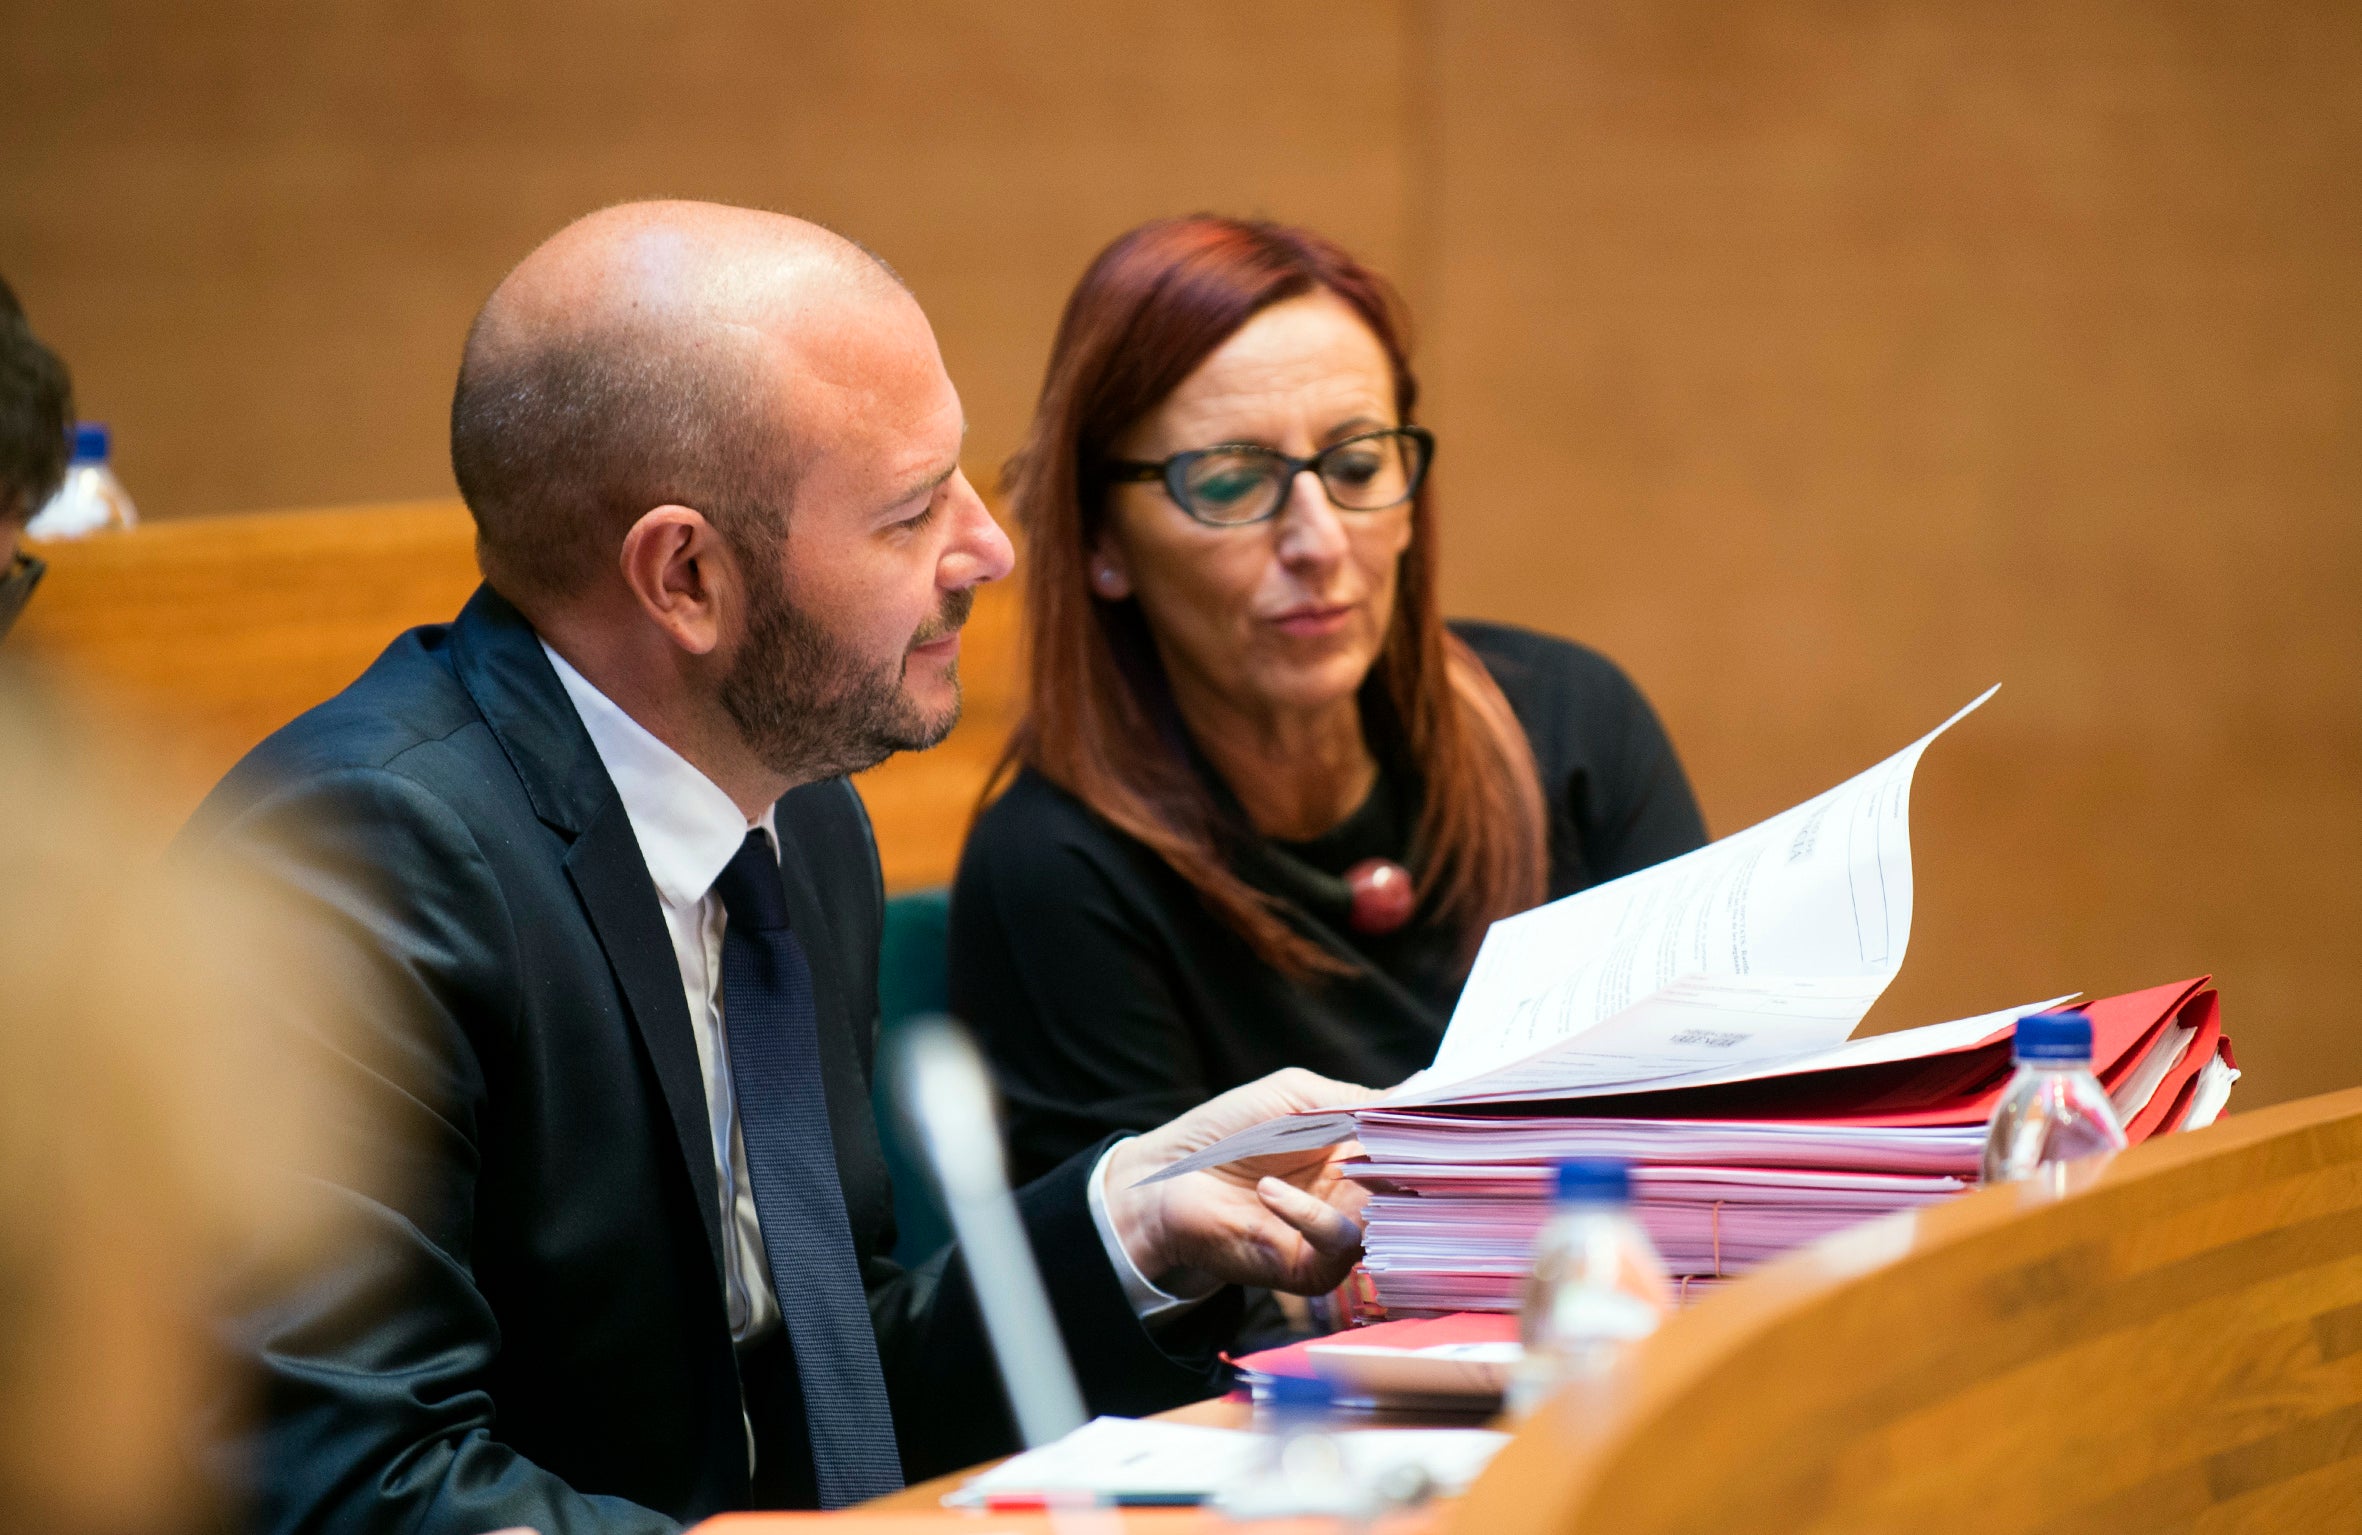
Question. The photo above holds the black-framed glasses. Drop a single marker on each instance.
(1235, 483)
(16, 587)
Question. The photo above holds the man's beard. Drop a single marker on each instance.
(812, 708)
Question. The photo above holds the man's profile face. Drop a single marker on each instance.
(850, 650)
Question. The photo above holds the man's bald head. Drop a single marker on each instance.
(646, 355)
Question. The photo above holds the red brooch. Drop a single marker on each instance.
(1383, 897)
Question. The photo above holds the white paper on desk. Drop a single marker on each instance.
(1118, 1457)
(1625, 1054)
(1310, 1131)
(1694, 1030)
(1138, 1458)
(1757, 954)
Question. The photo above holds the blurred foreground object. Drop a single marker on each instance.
(946, 1096)
(91, 500)
(1597, 1287)
(142, 1108)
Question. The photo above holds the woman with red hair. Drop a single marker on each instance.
(1264, 801)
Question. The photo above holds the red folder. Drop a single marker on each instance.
(1953, 1087)
(1411, 1333)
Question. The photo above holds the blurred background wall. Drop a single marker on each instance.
(1823, 362)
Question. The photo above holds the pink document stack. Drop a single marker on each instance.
(1731, 1175)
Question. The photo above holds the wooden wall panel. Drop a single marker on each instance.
(1822, 361)
(258, 230)
(206, 634)
(1829, 362)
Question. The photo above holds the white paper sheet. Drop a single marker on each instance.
(1142, 1460)
(1690, 1031)
(1308, 1131)
(1754, 956)
(2214, 1090)
(1705, 1043)
(1781, 935)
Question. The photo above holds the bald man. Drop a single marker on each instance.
(612, 914)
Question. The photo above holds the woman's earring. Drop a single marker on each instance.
(1104, 577)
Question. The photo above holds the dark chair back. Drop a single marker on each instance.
(911, 984)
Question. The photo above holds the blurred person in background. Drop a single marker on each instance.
(36, 413)
(1264, 800)
(149, 1114)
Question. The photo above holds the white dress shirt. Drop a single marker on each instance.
(688, 831)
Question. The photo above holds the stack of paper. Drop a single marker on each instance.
(1695, 1018)
(1460, 1194)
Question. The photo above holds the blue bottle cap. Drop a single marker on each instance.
(2054, 1037)
(90, 442)
(1594, 1181)
(1300, 1391)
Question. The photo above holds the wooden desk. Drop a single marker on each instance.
(919, 1510)
(2176, 1347)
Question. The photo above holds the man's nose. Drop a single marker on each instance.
(979, 548)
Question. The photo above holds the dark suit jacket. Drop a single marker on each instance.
(525, 1323)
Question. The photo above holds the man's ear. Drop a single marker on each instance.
(680, 573)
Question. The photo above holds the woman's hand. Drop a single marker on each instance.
(1284, 1222)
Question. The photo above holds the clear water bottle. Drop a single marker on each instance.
(2055, 1112)
(1597, 1287)
(1302, 1471)
(91, 500)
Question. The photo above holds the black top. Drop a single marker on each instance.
(1111, 998)
(521, 1321)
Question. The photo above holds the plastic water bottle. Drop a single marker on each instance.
(1597, 1287)
(91, 500)
(1302, 1471)
(2055, 1112)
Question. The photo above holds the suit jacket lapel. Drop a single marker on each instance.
(500, 662)
(610, 876)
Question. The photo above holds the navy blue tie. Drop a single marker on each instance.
(783, 1117)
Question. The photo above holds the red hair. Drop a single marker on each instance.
(1099, 721)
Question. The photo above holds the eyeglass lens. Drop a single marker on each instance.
(1362, 474)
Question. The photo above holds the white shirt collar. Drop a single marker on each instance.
(688, 829)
